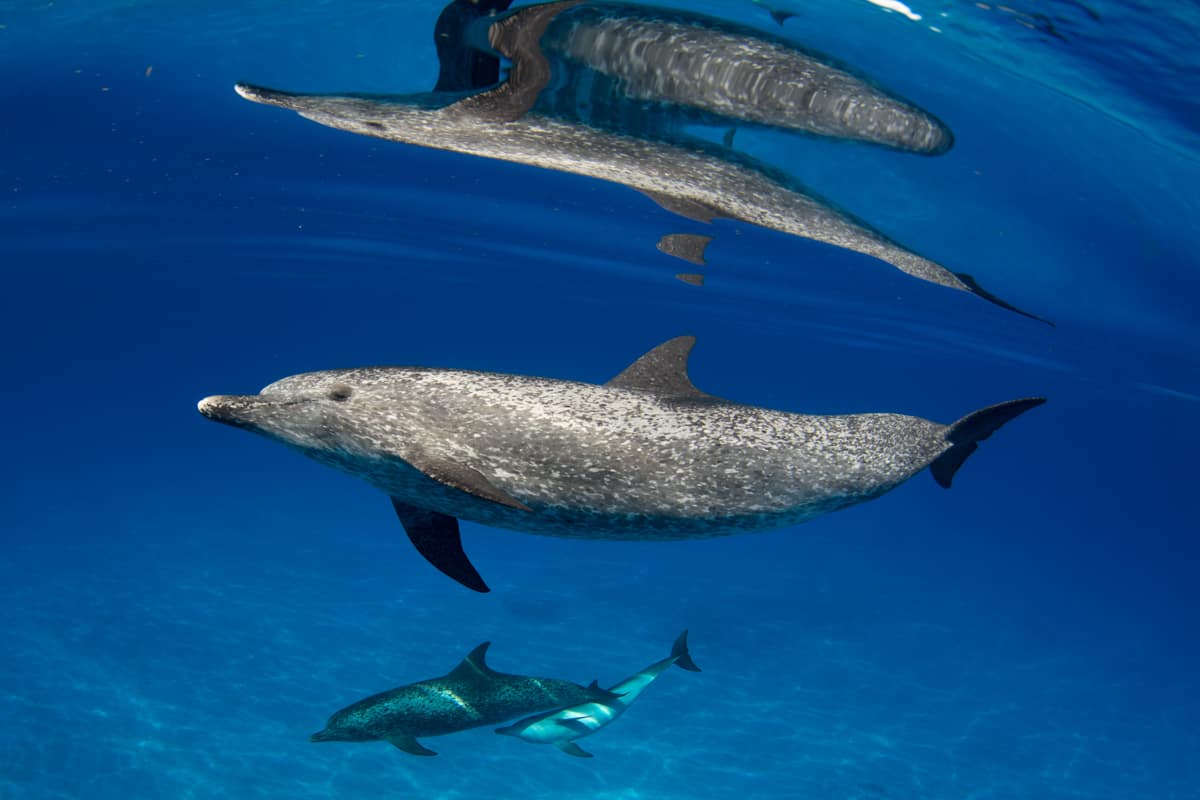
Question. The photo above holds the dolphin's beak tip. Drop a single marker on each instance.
(257, 94)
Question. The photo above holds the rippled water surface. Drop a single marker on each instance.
(184, 604)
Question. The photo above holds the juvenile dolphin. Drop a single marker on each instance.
(736, 72)
(644, 456)
(563, 726)
(693, 179)
(470, 695)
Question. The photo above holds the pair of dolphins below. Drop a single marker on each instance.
(654, 59)
(644, 456)
(473, 694)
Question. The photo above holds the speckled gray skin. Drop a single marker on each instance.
(469, 696)
(691, 181)
(737, 72)
(646, 456)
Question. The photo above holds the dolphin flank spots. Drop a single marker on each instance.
(470, 695)
(644, 456)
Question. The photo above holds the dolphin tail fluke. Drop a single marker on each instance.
(964, 436)
(679, 652)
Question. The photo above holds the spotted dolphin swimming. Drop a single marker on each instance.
(562, 727)
(644, 456)
(736, 72)
(696, 180)
(469, 696)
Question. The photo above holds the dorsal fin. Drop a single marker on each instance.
(461, 67)
(474, 666)
(517, 36)
(663, 371)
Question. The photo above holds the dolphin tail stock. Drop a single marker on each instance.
(681, 656)
(964, 436)
(974, 288)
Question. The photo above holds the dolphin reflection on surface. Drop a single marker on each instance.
(689, 177)
(736, 72)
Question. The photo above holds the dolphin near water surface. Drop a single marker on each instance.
(644, 456)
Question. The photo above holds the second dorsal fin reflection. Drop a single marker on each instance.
(509, 122)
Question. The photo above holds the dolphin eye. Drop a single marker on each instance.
(340, 392)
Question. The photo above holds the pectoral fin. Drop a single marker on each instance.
(436, 537)
(576, 726)
(410, 745)
(463, 478)
(692, 209)
(572, 749)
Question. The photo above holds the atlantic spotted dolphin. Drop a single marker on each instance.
(694, 179)
(563, 726)
(736, 72)
(644, 456)
(470, 695)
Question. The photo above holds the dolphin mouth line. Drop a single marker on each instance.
(216, 407)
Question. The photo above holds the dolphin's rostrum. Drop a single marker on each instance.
(644, 456)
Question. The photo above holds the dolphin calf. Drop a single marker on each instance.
(469, 696)
(693, 179)
(644, 456)
(736, 72)
(563, 726)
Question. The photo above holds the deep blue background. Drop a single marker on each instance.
(183, 604)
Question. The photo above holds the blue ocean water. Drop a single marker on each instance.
(183, 604)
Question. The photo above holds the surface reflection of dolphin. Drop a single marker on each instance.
(697, 180)
(736, 72)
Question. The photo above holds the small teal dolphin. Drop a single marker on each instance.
(469, 696)
(563, 726)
